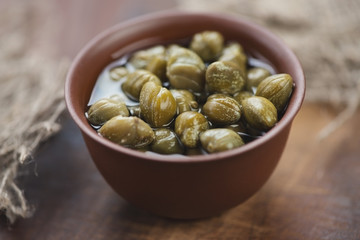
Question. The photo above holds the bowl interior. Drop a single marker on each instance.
(172, 27)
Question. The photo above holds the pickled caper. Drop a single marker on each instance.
(277, 88)
(222, 110)
(255, 76)
(259, 113)
(141, 59)
(220, 139)
(127, 131)
(118, 73)
(136, 80)
(157, 65)
(188, 126)
(224, 77)
(233, 52)
(104, 109)
(170, 49)
(185, 70)
(166, 142)
(157, 104)
(208, 45)
(185, 100)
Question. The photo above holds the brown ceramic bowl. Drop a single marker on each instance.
(178, 186)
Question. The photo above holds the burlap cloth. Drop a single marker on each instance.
(31, 95)
(324, 34)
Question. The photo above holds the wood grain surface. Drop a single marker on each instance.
(313, 193)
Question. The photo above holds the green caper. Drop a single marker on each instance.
(239, 96)
(157, 65)
(104, 109)
(188, 126)
(128, 131)
(157, 104)
(136, 80)
(277, 88)
(220, 139)
(170, 49)
(185, 70)
(141, 59)
(255, 76)
(259, 113)
(166, 142)
(224, 77)
(222, 110)
(118, 73)
(233, 52)
(185, 100)
(208, 45)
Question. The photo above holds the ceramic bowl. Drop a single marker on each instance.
(178, 186)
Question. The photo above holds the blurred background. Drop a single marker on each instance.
(55, 192)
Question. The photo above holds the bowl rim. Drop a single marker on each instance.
(286, 120)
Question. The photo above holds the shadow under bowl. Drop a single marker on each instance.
(181, 186)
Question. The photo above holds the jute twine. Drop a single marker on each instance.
(324, 34)
(31, 97)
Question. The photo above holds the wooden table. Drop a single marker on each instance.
(313, 193)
